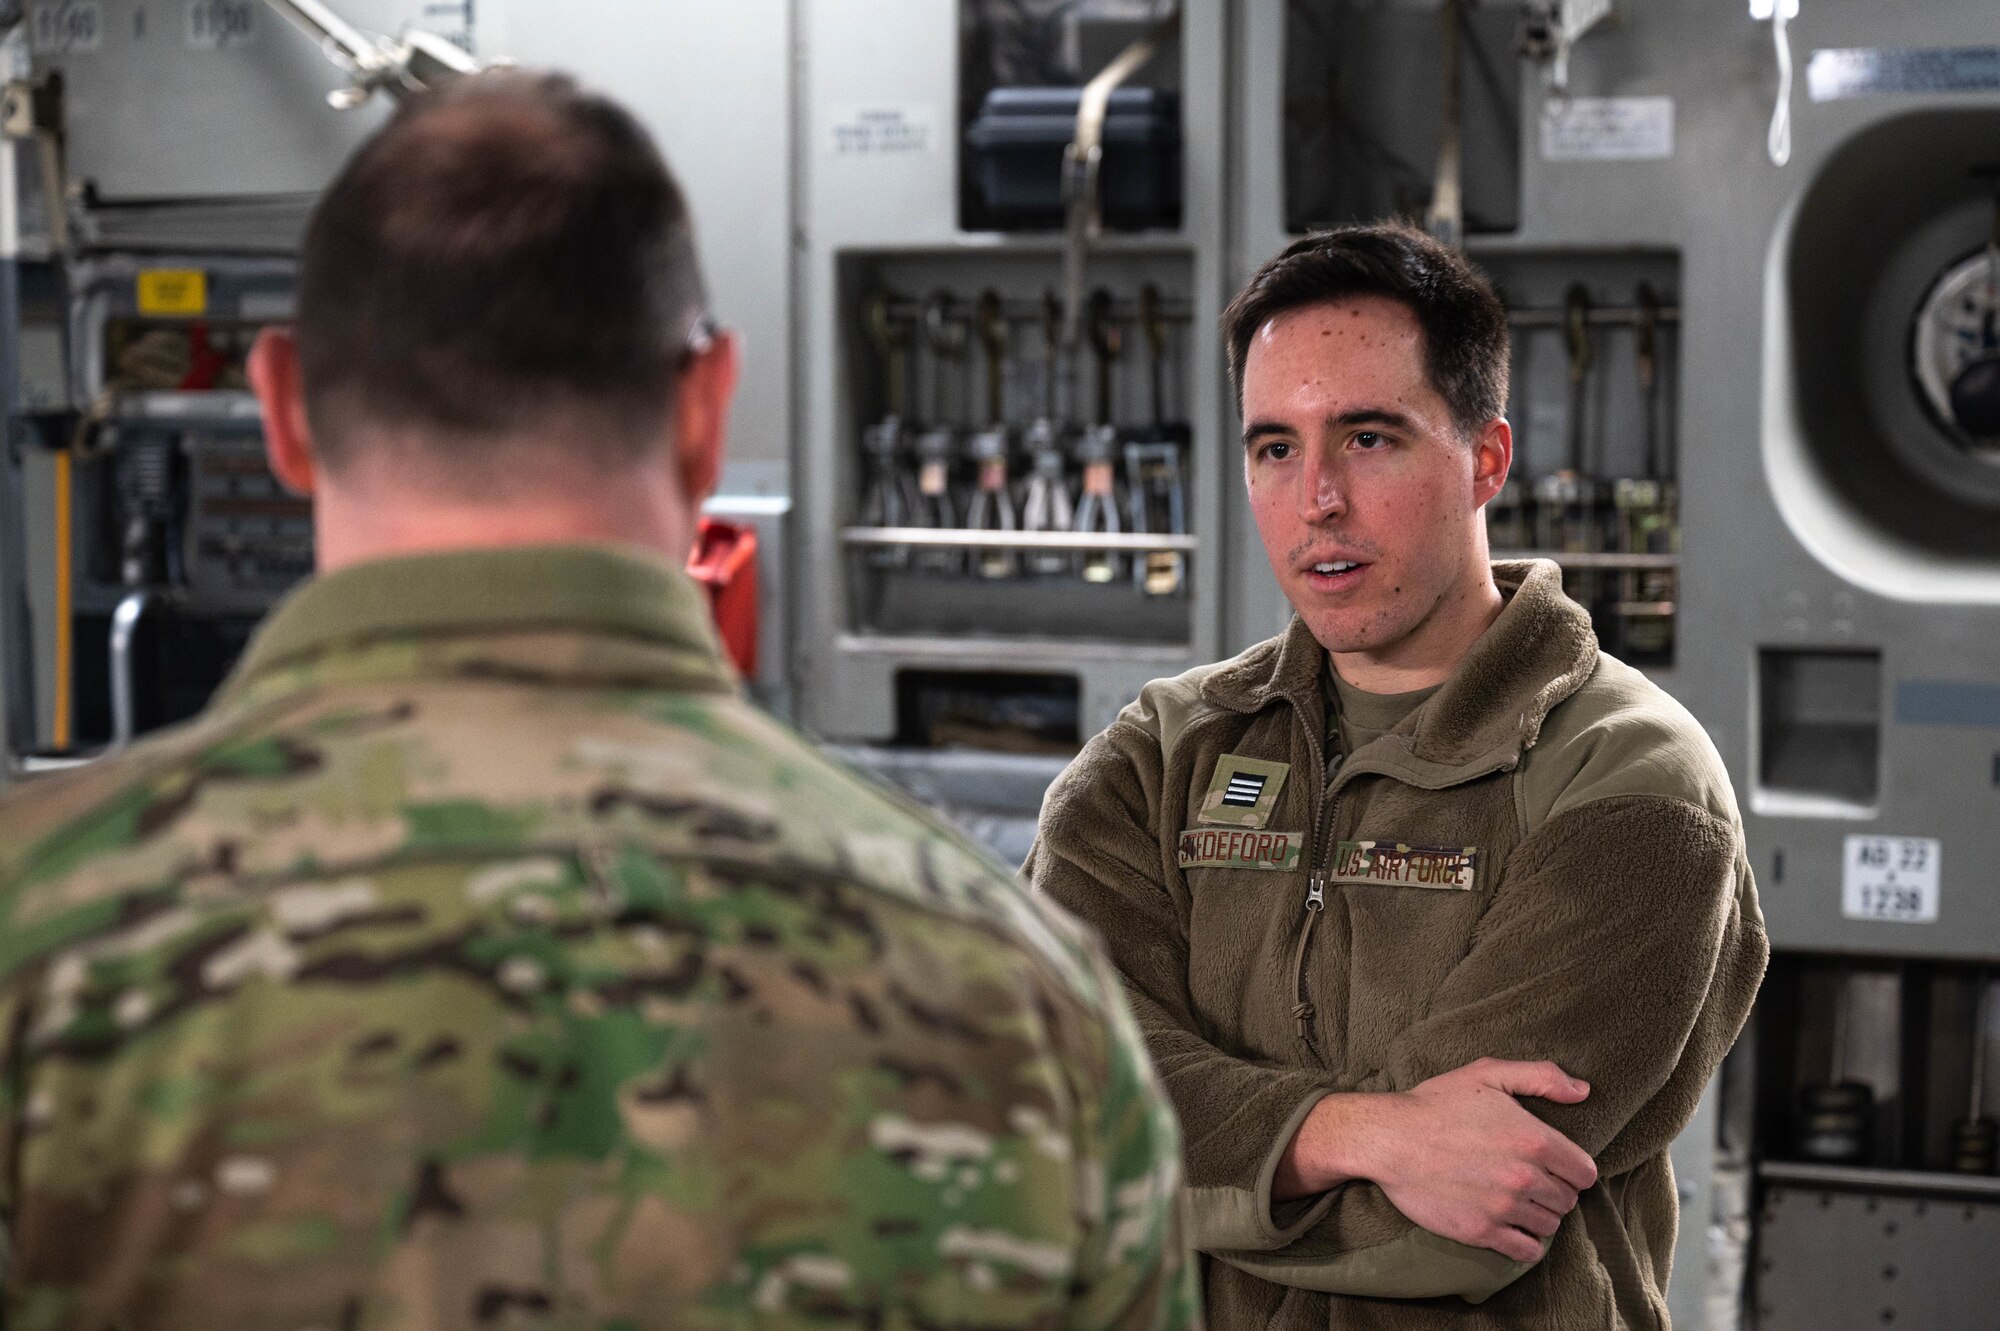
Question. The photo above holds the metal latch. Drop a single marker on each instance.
(1083, 220)
(32, 112)
(1550, 28)
(401, 68)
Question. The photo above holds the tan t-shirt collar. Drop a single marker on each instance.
(1356, 717)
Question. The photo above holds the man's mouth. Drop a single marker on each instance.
(1334, 575)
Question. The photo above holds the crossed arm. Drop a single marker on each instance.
(1618, 949)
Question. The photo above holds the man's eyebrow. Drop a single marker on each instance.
(1395, 420)
(1386, 416)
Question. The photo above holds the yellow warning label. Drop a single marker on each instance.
(173, 291)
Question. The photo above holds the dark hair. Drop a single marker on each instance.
(508, 252)
(1466, 348)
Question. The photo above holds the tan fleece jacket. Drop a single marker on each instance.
(1544, 860)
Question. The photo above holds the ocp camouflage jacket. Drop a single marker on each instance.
(1543, 861)
(481, 958)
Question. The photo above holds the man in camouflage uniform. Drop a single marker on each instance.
(480, 957)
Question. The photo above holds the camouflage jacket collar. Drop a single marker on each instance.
(546, 604)
(1537, 653)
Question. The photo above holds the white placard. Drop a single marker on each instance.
(1608, 129)
(215, 25)
(1891, 878)
(859, 132)
(64, 27)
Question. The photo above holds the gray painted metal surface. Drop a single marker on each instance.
(1836, 1258)
(158, 105)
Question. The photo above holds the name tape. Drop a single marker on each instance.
(1240, 848)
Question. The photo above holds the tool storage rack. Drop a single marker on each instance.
(873, 216)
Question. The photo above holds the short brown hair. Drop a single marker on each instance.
(1466, 347)
(508, 252)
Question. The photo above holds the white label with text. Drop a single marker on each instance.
(1892, 878)
(64, 27)
(882, 131)
(1608, 129)
(214, 25)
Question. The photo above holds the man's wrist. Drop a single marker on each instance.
(1339, 1141)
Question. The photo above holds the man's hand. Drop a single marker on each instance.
(1456, 1154)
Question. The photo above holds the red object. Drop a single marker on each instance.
(205, 363)
(724, 560)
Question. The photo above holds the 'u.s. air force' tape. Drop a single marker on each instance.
(1398, 864)
(1240, 848)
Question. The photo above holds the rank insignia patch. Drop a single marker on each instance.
(1242, 792)
(1399, 864)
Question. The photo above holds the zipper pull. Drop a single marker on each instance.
(1316, 891)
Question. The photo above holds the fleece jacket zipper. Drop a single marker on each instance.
(1303, 1011)
(1320, 877)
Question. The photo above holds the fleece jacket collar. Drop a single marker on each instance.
(1538, 652)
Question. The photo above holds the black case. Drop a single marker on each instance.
(1015, 149)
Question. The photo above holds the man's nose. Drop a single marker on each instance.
(1322, 488)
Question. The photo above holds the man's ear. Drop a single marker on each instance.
(288, 443)
(1492, 458)
(701, 414)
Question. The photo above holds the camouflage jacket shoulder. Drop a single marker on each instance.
(470, 758)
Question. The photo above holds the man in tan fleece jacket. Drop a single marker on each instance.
(1428, 827)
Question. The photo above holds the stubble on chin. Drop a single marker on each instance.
(1352, 631)
(1397, 616)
